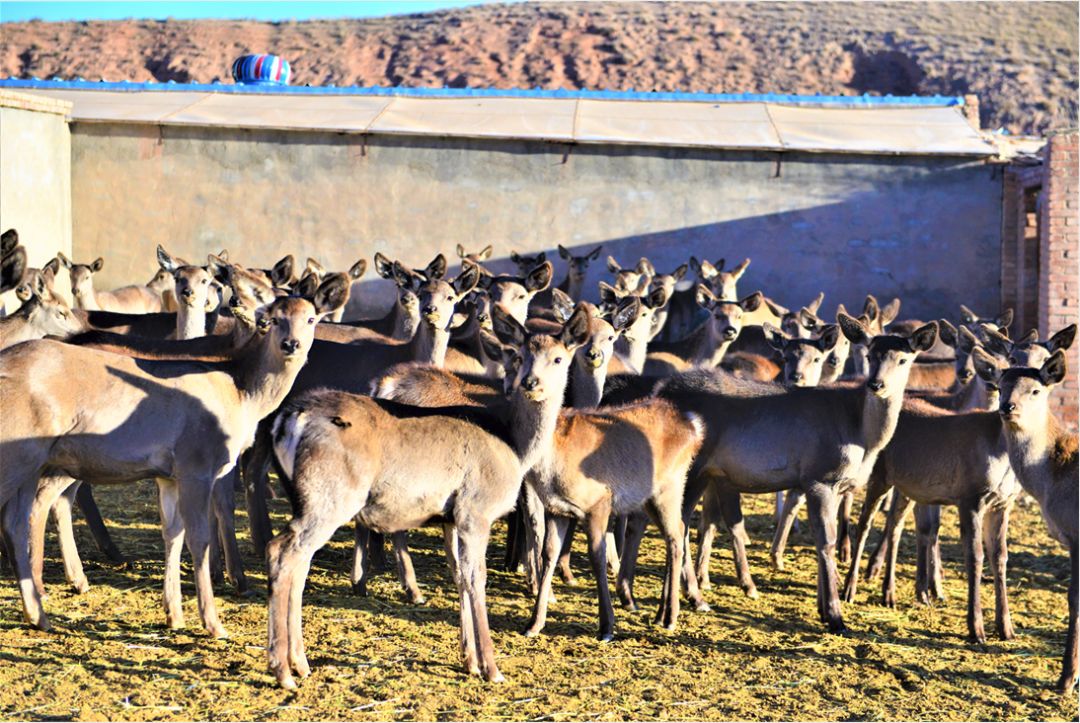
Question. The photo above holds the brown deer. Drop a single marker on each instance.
(1028, 351)
(353, 274)
(577, 269)
(669, 283)
(134, 299)
(346, 456)
(1044, 458)
(515, 293)
(112, 431)
(706, 347)
(823, 440)
(476, 258)
(631, 281)
(632, 347)
(937, 457)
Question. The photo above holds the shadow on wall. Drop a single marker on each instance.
(935, 252)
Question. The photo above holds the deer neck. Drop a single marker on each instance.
(533, 425)
(190, 321)
(263, 378)
(572, 286)
(404, 324)
(710, 348)
(1030, 455)
(429, 344)
(633, 352)
(88, 301)
(587, 385)
(878, 423)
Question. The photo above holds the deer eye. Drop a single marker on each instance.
(903, 361)
(1034, 392)
(1012, 360)
(611, 338)
(558, 360)
(311, 320)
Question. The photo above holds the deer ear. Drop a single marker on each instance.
(64, 260)
(814, 305)
(224, 254)
(1053, 369)
(707, 271)
(841, 309)
(830, 337)
(809, 320)
(539, 278)
(984, 366)
(613, 265)
(680, 272)
(13, 268)
(1030, 338)
(719, 265)
(1063, 339)
(401, 276)
(924, 337)
(516, 258)
(98, 263)
(561, 304)
(53, 267)
(315, 267)
(467, 280)
(645, 267)
(774, 336)
(331, 294)
(752, 302)
(493, 348)
(657, 298)
(965, 340)
(507, 328)
(218, 268)
(437, 268)
(890, 312)
(384, 267)
(625, 313)
(307, 286)
(995, 341)
(853, 329)
(563, 253)
(594, 254)
(608, 295)
(575, 331)
(776, 309)
(8, 241)
(485, 253)
(871, 310)
(704, 297)
(461, 251)
(967, 316)
(739, 270)
(357, 270)
(1005, 320)
(164, 260)
(282, 272)
(947, 332)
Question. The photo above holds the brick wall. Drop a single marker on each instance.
(1020, 245)
(1059, 251)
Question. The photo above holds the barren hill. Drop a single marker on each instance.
(1019, 58)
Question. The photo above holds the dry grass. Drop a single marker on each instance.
(110, 656)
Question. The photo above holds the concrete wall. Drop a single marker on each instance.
(926, 229)
(35, 173)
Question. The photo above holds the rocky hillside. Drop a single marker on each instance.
(1019, 58)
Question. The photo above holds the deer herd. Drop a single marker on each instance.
(529, 403)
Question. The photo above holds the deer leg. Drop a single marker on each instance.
(995, 536)
(172, 532)
(793, 502)
(472, 550)
(564, 554)
(894, 530)
(377, 551)
(556, 529)
(875, 495)
(49, 490)
(69, 551)
(534, 522)
(821, 508)
(624, 583)
(710, 516)
(406, 574)
(297, 655)
(194, 506)
(843, 534)
(256, 462)
(971, 539)
(620, 535)
(16, 527)
(225, 511)
(213, 549)
(668, 514)
(596, 523)
(877, 560)
(927, 523)
(359, 576)
(512, 552)
(693, 592)
(84, 496)
(731, 509)
(467, 638)
(1069, 667)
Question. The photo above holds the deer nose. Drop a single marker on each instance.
(530, 382)
(289, 346)
(429, 310)
(730, 333)
(875, 385)
(966, 375)
(1008, 408)
(797, 377)
(187, 293)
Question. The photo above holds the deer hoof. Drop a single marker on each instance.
(532, 632)
(81, 586)
(702, 607)
(1066, 683)
(287, 682)
(751, 592)
(605, 637)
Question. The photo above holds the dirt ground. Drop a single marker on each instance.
(1020, 58)
(378, 658)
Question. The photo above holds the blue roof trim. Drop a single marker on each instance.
(858, 101)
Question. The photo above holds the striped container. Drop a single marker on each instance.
(262, 69)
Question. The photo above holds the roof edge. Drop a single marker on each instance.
(856, 101)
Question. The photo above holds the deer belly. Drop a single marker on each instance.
(405, 503)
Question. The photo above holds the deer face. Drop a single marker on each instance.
(1029, 352)
(725, 317)
(668, 282)
(633, 281)
(194, 287)
(251, 292)
(636, 325)
(526, 263)
(578, 266)
(890, 356)
(804, 359)
(289, 322)
(50, 315)
(545, 359)
(437, 298)
(723, 283)
(82, 284)
(1025, 392)
(600, 346)
(39, 282)
(513, 293)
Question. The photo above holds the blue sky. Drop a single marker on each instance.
(21, 11)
